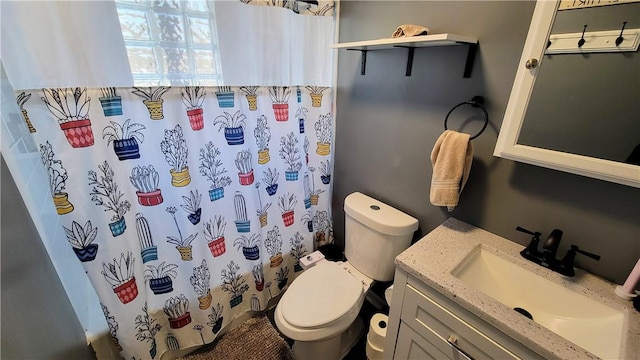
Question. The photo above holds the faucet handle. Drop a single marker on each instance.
(585, 253)
(531, 251)
(536, 234)
(566, 265)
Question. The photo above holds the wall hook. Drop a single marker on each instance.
(620, 39)
(582, 41)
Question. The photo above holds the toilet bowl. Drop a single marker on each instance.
(319, 310)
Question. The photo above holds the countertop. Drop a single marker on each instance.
(434, 257)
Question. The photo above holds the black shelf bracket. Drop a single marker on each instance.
(409, 59)
(468, 67)
(471, 57)
(363, 60)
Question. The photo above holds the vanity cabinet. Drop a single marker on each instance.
(424, 324)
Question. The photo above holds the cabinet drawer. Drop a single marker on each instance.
(426, 316)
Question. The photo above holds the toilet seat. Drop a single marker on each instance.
(320, 295)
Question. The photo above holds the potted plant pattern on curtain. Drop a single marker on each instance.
(172, 268)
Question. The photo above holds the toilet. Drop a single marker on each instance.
(319, 310)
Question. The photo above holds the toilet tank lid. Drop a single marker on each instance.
(378, 215)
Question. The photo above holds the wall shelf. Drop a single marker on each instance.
(411, 43)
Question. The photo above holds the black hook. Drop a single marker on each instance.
(582, 41)
(620, 39)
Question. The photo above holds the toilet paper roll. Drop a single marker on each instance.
(372, 352)
(387, 294)
(378, 330)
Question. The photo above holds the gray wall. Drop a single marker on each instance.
(386, 125)
(38, 321)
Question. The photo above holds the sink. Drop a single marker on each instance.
(589, 324)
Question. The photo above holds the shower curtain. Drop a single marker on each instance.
(187, 205)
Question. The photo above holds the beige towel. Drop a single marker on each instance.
(410, 30)
(451, 159)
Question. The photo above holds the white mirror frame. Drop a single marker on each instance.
(507, 146)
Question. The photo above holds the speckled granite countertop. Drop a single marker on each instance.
(434, 257)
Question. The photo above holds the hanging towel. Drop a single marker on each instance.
(451, 159)
(410, 30)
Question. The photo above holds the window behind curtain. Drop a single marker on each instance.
(170, 42)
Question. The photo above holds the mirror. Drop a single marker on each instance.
(582, 114)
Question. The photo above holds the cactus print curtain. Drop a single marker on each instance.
(187, 206)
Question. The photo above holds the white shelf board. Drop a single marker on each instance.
(414, 41)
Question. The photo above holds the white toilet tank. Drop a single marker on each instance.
(375, 233)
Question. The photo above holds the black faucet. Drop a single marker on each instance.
(550, 247)
(547, 258)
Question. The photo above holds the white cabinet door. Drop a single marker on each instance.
(413, 346)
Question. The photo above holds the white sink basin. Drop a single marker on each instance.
(590, 324)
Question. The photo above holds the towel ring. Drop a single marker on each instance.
(476, 102)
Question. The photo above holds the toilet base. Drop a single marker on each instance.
(333, 348)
